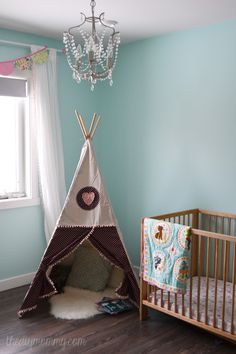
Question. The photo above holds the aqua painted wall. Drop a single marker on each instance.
(21, 230)
(168, 137)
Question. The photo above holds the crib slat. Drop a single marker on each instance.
(233, 289)
(200, 217)
(190, 296)
(216, 278)
(184, 219)
(216, 222)
(199, 276)
(228, 262)
(207, 277)
(224, 286)
(155, 295)
(161, 297)
(188, 220)
(229, 232)
(222, 251)
(222, 225)
(176, 310)
(209, 222)
(191, 278)
(148, 292)
(221, 259)
(229, 226)
(183, 309)
(168, 300)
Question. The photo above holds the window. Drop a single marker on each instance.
(18, 182)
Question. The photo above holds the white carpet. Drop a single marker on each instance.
(77, 303)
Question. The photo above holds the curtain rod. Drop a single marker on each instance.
(24, 45)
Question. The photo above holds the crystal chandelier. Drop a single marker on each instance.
(92, 48)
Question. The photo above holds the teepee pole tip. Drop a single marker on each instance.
(92, 128)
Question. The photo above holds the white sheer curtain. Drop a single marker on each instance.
(49, 143)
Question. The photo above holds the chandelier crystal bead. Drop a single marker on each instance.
(92, 52)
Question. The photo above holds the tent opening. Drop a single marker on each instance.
(83, 278)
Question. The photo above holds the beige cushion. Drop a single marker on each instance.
(89, 270)
(116, 277)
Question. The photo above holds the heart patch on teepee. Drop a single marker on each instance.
(88, 197)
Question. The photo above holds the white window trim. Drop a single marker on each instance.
(19, 202)
(32, 191)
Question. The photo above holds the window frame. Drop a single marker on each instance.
(31, 165)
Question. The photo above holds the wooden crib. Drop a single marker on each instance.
(209, 301)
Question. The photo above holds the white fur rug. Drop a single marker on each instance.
(76, 303)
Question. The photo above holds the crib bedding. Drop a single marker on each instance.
(211, 294)
(166, 254)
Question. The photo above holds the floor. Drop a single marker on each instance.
(122, 334)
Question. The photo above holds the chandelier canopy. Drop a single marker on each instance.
(92, 48)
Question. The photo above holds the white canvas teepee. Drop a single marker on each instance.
(87, 214)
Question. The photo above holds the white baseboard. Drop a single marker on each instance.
(14, 282)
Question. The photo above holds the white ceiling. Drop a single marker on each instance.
(137, 19)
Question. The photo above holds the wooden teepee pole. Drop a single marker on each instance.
(95, 127)
(92, 124)
(81, 123)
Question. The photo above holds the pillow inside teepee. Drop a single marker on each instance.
(89, 270)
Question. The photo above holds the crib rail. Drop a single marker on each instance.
(209, 301)
(186, 217)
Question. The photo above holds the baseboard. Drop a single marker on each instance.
(15, 282)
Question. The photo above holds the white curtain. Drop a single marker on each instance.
(49, 142)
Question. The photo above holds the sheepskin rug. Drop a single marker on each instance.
(76, 303)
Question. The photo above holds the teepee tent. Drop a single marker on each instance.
(87, 215)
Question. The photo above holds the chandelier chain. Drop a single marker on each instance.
(93, 3)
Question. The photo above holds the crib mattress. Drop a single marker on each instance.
(211, 294)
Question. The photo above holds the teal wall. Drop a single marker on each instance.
(166, 141)
(21, 229)
(170, 123)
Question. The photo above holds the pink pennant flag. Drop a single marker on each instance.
(6, 68)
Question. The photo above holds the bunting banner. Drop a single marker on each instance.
(24, 63)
